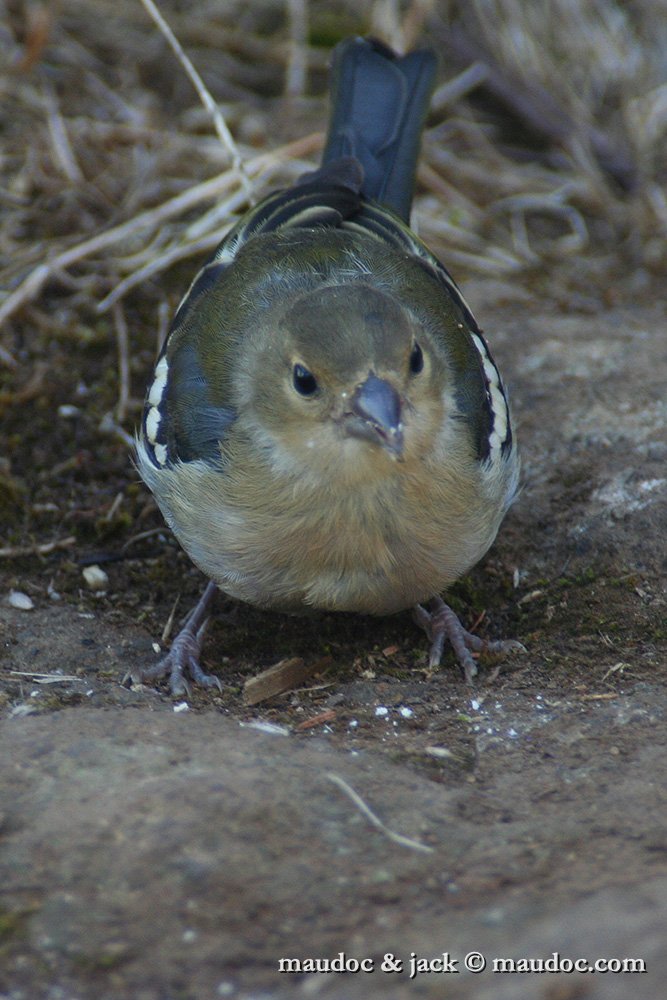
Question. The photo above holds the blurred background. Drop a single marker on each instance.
(546, 140)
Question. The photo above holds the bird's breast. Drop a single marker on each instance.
(291, 544)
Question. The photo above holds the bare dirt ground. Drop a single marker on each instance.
(157, 853)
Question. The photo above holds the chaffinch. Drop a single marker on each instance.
(326, 427)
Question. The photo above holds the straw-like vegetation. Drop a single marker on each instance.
(547, 137)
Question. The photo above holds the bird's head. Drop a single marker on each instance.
(349, 378)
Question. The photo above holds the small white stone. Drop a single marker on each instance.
(182, 706)
(96, 578)
(438, 751)
(406, 712)
(20, 710)
(68, 412)
(17, 599)
(381, 711)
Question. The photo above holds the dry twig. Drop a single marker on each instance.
(43, 549)
(221, 128)
(397, 838)
(281, 677)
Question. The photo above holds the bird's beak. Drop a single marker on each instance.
(375, 415)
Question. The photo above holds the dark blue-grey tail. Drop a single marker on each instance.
(379, 101)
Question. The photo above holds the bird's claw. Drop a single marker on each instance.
(180, 664)
(182, 660)
(441, 623)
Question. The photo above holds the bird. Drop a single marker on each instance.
(326, 428)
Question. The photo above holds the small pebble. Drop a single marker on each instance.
(17, 599)
(381, 711)
(438, 752)
(68, 412)
(96, 578)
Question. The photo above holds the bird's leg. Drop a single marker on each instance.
(183, 657)
(441, 623)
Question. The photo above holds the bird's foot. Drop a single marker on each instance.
(441, 623)
(181, 663)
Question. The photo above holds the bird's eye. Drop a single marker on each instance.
(304, 381)
(416, 359)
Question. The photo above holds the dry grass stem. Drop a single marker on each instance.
(7, 358)
(297, 62)
(397, 838)
(460, 86)
(44, 678)
(122, 341)
(204, 94)
(169, 624)
(44, 549)
(62, 148)
(109, 426)
(114, 508)
(140, 537)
